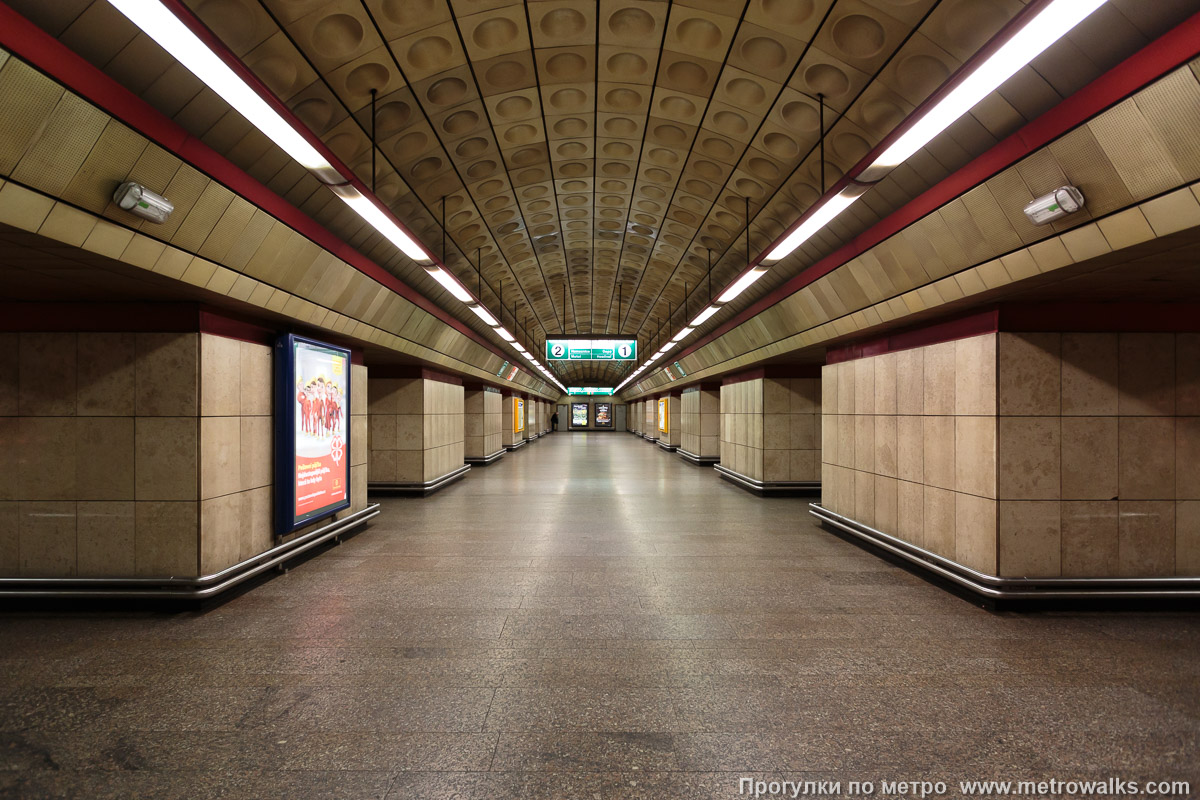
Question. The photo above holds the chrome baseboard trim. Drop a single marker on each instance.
(650, 439)
(483, 461)
(511, 447)
(201, 588)
(670, 448)
(993, 587)
(692, 458)
(768, 488)
(426, 488)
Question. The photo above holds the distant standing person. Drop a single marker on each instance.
(554, 422)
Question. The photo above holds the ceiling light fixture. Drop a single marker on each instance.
(816, 220)
(157, 22)
(704, 316)
(484, 315)
(1045, 28)
(679, 337)
(374, 216)
(450, 283)
(742, 284)
(503, 333)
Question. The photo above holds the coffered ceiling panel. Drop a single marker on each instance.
(598, 163)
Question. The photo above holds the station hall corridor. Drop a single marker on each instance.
(587, 618)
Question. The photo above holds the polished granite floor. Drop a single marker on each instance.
(588, 618)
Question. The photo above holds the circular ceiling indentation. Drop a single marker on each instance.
(514, 107)
(615, 169)
(882, 115)
(851, 146)
(746, 92)
(677, 107)
(827, 79)
(617, 150)
(527, 156)
(277, 73)
(613, 186)
(392, 117)
(562, 23)
(410, 143)
(430, 53)
(471, 148)
(506, 73)
(698, 33)
(655, 192)
(697, 187)
(631, 23)
(623, 99)
(764, 54)
(495, 32)
(531, 175)
(670, 134)
(707, 170)
(314, 112)
(490, 187)
(572, 150)
(767, 170)
(520, 134)
(717, 148)
(426, 167)
(627, 66)
(337, 35)
(858, 36)
(971, 22)
(566, 66)
(920, 74)
(571, 126)
(662, 155)
(481, 169)
(801, 116)
(780, 145)
(460, 122)
(689, 75)
(620, 126)
(568, 99)
(400, 11)
(730, 122)
(228, 20)
(574, 170)
(445, 92)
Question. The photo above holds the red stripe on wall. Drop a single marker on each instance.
(47, 54)
(1169, 51)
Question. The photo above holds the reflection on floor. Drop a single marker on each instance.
(587, 618)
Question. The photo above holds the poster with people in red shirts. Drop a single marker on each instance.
(318, 394)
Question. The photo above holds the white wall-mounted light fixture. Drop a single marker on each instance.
(483, 314)
(503, 333)
(450, 283)
(819, 218)
(742, 284)
(679, 337)
(374, 216)
(1059, 203)
(141, 202)
(704, 316)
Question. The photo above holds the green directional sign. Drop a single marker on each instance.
(591, 349)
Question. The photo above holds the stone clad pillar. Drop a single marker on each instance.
(416, 430)
(700, 424)
(483, 440)
(770, 434)
(650, 430)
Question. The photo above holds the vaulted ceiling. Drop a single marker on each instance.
(592, 158)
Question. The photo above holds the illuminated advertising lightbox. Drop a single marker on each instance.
(518, 415)
(312, 441)
(663, 423)
(602, 415)
(579, 415)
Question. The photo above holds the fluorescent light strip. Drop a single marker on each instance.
(503, 333)
(1044, 29)
(704, 316)
(742, 284)
(819, 219)
(484, 315)
(377, 219)
(450, 283)
(157, 22)
(679, 337)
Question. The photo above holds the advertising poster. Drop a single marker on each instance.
(312, 431)
(663, 424)
(518, 415)
(603, 415)
(579, 415)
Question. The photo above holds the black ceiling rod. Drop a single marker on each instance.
(373, 92)
(710, 276)
(565, 308)
(748, 255)
(685, 303)
(479, 268)
(620, 286)
(821, 141)
(443, 229)
(502, 301)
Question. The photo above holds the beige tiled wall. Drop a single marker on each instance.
(909, 446)
(1099, 454)
(416, 429)
(140, 454)
(102, 438)
(1026, 454)
(482, 422)
(770, 429)
(700, 421)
